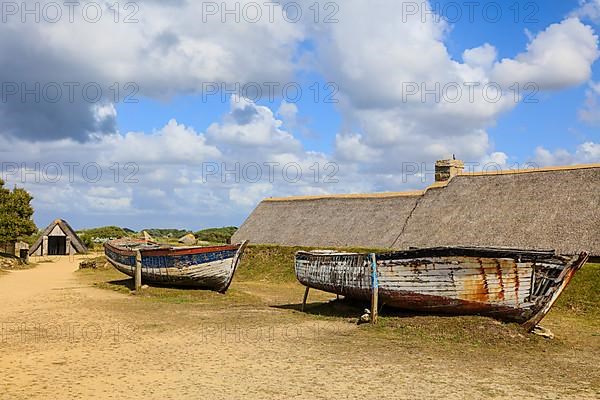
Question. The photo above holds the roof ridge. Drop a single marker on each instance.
(348, 196)
(435, 185)
(531, 170)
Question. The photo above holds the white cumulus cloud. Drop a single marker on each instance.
(588, 152)
(559, 57)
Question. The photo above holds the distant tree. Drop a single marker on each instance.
(87, 241)
(15, 214)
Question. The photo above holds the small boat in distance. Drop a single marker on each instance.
(511, 285)
(203, 267)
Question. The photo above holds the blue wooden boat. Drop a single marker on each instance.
(203, 267)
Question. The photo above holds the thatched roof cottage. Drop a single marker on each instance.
(188, 240)
(58, 239)
(548, 208)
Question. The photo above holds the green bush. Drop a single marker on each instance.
(216, 235)
(87, 240)
(166, 233)
(105, 232)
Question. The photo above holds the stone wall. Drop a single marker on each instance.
(8, 263)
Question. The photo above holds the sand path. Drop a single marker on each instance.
(62, 340)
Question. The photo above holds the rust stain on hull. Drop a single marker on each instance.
(512, 285)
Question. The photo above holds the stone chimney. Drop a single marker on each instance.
(447, 169)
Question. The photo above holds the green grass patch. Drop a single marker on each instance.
(266, 263)
(175, 295)
(477, 331)
(233, 297)
(582, 296)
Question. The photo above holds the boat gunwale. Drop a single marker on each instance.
(449, 251)
(168, 250)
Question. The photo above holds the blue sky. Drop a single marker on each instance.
(364, 140)
(552, 121)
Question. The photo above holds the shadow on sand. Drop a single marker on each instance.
(351, 308)
(342, 308)
(130, 284)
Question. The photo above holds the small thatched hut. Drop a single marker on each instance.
(188, 240)
(146, 236)
(58, 239)
(550, 208)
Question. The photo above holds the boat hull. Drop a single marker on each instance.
(511, 285)
(201, 267)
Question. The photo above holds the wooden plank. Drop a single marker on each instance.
(305, 298)
(138, 270)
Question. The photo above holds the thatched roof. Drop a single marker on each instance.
(336, 221)
(548, 209)
(188, 239)
(66, 228)
(147, 236)
(551, 208)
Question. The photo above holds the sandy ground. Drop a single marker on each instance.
(61, 340)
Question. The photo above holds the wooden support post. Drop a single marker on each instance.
(374, 289)
(45, 246)
(305, 298)
(138, 271)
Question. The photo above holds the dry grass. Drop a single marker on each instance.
(254, 343)
(265, 279)
(266, 295)
(106, 277)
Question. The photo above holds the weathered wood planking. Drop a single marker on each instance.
(204, 267)
(513, 285)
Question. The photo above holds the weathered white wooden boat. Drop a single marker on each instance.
(203, 267)
(512, 285)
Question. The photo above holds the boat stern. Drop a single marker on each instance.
(549, 289)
